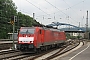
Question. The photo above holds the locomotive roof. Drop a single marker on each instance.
(26, 27)
(52, 29)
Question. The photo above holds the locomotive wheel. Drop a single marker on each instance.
(35, 50)
(38, 50)
(46, 48)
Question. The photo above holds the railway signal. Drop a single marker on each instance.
(13, 20)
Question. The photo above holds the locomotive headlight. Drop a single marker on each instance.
(20, 41)
(31, 41)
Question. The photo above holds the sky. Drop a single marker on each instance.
(63, 11)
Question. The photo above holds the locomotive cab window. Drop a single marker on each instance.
(27, 31)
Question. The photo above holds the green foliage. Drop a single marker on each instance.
(8, 9)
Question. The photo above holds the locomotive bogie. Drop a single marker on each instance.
(26, 47)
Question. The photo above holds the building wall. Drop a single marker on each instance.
(11, 36)
(77, 34)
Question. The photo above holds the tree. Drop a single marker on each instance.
(7, 10)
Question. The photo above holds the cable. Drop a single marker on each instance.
(60, 10)
(37, 7)
(64, 9)
(55, 7)
(75, 4)
(69, 7)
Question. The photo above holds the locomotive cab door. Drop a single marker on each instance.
(41, 36)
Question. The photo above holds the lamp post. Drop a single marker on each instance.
(87, 32)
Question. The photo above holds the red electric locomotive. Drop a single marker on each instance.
(39, 38)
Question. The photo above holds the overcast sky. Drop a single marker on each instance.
(64, 11)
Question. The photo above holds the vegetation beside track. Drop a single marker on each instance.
(8, 9)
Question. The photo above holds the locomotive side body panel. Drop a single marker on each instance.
(40, 37)
(53, 37)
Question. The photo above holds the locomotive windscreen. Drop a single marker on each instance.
(27, 31)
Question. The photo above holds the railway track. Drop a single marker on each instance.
(68, 48)
(6, 44)
(9, 54)
(50, 54)
(59, 52)
(8, 51)
(17, 55)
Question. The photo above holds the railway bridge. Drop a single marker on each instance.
(67, 27)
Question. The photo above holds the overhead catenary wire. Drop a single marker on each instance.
(67, 8)
(54, 7)
(74, 5)
(37, 7)
(58, 9)
(70, 7)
